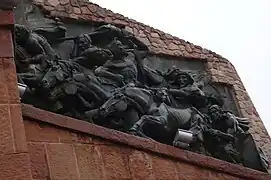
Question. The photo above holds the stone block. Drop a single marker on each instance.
(62, 161)
(18, 128)
(11, 80)
(164, 168)
(115, 163)
(140, 164)
(15, 167)
(64, 2)
(6, 44)
(6, 136)
(73, 137)
(38, 160)
(36, 132)
(4, 98)
(90, 162)
(7, 18)
(76, 10)
(53, 2)
(190, 172)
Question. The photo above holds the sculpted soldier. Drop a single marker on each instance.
(224, 129)
(36, 45)
(183, 89)
(89, 55)
(34, 52)
(120, 69)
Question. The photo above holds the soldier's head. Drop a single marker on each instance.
(162, 96)
(117, 48)
(178, 77)
(21, 32)
(84, 41)
(185, 79)
(215, 112)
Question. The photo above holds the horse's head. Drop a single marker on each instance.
(54, 74)
(116, 104)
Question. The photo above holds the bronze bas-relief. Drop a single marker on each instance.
(105, 82)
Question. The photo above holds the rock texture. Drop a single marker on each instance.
(220, 69)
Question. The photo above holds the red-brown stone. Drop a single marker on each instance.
(93, 8)
(11, 80)
(115, 164)
(64, 2)
(6, 44)
(36, 132)
(164, 169)
(85, 10)
(76, 10)
(6, 133)
(62, 161)
(18, 128)
(90, 162)
(4, 98)
(7, 18)
(53, 2)
(74, 3)
(38, 159)
(141, 167)
(66, 136)
(15, 166)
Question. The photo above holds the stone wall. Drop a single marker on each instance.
(65, 148)
(14, 158)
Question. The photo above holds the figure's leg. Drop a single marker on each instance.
(196, 127)
(137, 129)
(232, 154)
(131, 116)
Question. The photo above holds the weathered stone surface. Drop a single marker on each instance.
(90, 162)
(9, 71)
(53, 2)
(65, 154)
(6, 133)
(115, 162)
(164, 169)
(85, 10)
(4, 97)
(18, 128)
(15, 166)
(38, 159)
(77, 10)
(173, 46)
(141, 167)
(6, 45)
(64, 2)
(36, 132)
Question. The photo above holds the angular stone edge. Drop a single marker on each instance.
(36, 114)
(7, 4)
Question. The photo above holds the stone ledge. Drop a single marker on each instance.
(140, 143)
(7, 18)
(7, 4)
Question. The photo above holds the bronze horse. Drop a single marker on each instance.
(161, 120)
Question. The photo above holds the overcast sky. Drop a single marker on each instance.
(239, 30)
